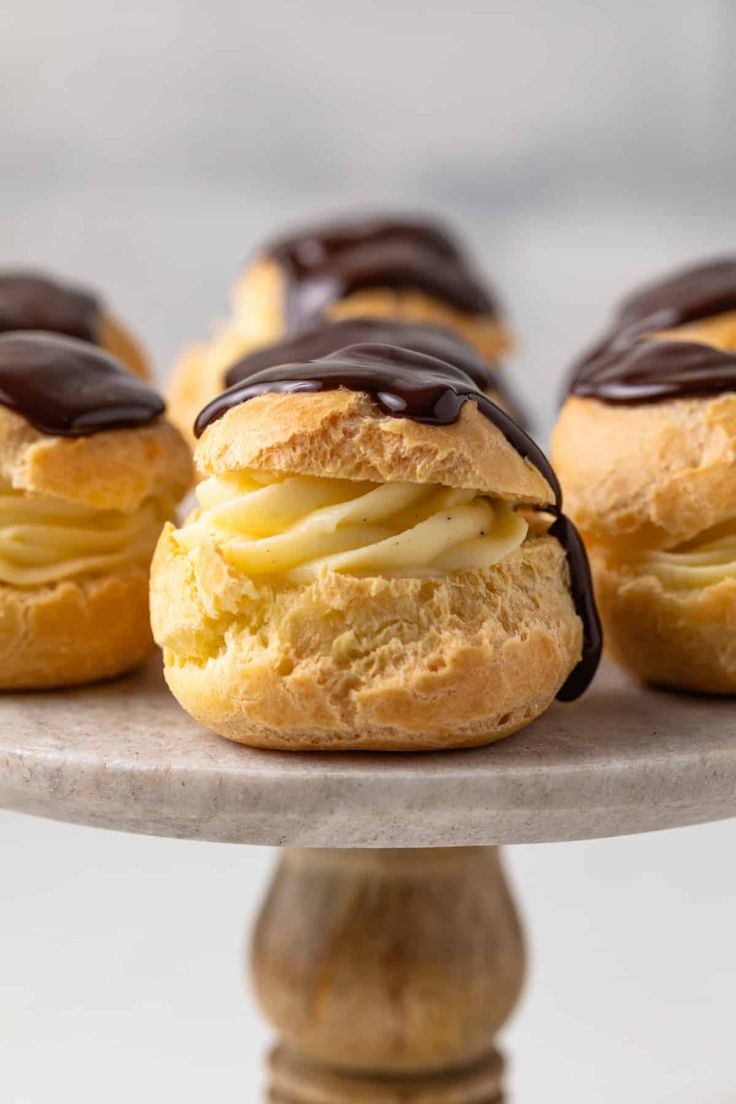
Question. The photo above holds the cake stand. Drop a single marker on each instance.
(388, 951)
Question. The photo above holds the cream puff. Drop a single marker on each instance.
(409, 270)
(89, 473)
(646, 451)
(32, 301)
(378, 561)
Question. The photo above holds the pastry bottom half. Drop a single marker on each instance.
(664, 636)
(373, 662)
(73, 631)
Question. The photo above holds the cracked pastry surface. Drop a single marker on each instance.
(354, 579)
(646, 449)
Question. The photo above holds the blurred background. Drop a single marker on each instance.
(147, 148)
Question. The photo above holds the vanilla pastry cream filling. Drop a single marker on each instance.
(295, 527)
(704, 561)
(44, 540)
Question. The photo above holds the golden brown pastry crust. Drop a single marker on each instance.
(647, 476)
(189, 389)
(259, 300)
(483, 331)
(651, 477)
(119, 342)
(344, 434)
(75, 631)
(680, 638)
(195, 380)
(718, 330)
(256, 320)
(199, 375)
(94, 626)
(260, 297)
(114, 470)
(380, 663)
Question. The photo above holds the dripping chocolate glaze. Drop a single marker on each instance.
(409, 384)
(629, 366)
(69, 388)
(324, 264)
(323, 337)
(29, 301)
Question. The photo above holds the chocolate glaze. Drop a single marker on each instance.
(646, 371)
(68, 388)
(324, 264)
(581, 587)
(323, 337)
(29, 301)
(629, 366)
(409, 384)
(687, 295)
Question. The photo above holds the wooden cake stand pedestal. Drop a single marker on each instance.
(388, 951)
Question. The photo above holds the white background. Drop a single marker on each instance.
(146, 147)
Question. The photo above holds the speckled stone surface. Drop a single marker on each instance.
(124, 755)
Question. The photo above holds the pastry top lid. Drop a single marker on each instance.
(68, 388)
(75, 425)
(632, 365)
(389, 414)
(32, 301)
(374, 412)
(327, 262)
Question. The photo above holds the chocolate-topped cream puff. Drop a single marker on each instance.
(406, 269)
(646, 450)
(378, 561)
(89, 472)
(32, 301)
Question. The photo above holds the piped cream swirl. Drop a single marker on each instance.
(298, 526)
(44, 540)
(704, 561)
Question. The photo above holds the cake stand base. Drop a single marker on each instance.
(387, 974)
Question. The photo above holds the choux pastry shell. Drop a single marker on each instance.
(360, 579)
(81, 506)
(644, 448)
